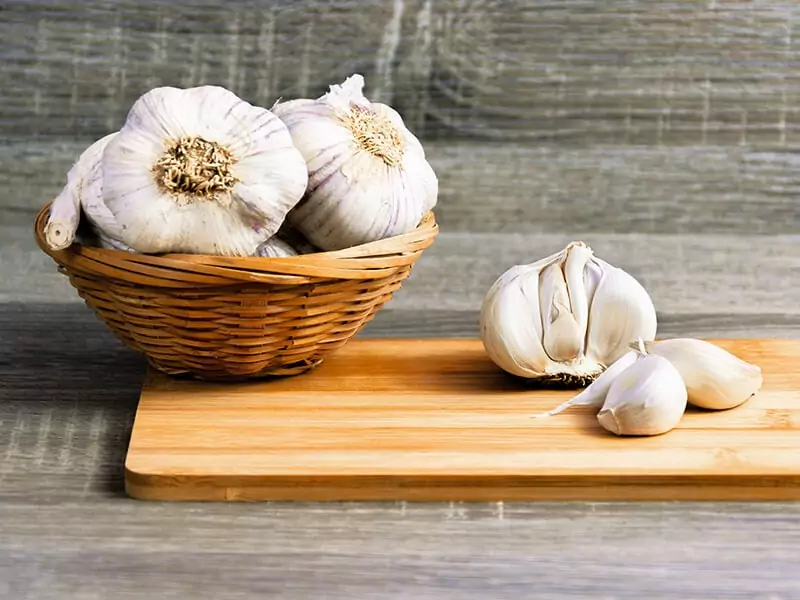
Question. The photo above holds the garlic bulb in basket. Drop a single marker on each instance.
(83, 192)
(200, 170)
(368, 175)
(564, 318)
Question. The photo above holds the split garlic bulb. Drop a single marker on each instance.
(200, 170)
(715, 378)
(368, 175)
(648, 398)
(564, 318)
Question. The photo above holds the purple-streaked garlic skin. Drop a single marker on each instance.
(368, 175)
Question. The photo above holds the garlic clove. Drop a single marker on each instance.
(97, 213)
(576, 275)
(512, 342)
(65, 210)
(562, 337)
(621, 311)
(595, 394)
(647, 398)
(715, 378)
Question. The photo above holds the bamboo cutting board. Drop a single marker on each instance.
(436, 420)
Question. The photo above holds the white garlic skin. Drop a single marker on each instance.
(81, 186)
(268, 174)
(595, 394)
(647, 398)
(275, 247)
(569, 314)
(715, 379)
(355, 196)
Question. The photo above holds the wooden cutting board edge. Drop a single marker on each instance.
(465, 488)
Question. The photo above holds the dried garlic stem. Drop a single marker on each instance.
(65, 214)
(192, 168)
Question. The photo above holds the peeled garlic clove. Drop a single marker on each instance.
(715, 378)
(200, 170)
(595, 394)
(621, 311)
(647, 398)
(563, 318)
(275, 247)
(368, 175)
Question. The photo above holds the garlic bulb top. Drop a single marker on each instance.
(564, 318)
(368, 175)
(199, 170)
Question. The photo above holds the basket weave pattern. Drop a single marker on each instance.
(223, 318)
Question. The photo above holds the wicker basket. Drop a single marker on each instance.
(221, 318)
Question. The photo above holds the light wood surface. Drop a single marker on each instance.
(435, 420)
(662, 132)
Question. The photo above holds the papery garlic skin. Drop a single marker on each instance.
(102, 221)
(201, 171)
(275, 247)
(595, 394)
(369, 178)
(564, 318)
(65, 210)
(647, 398)
(715, 378)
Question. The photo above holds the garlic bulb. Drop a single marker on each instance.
(564, 318)
(368, 175)
(647, 398)
(715, 378)
(65, 210)
(199, 170)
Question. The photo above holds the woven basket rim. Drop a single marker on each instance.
(365, 261)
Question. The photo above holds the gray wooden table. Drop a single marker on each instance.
(662, 133)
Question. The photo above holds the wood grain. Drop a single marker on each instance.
(664, 72)
(390, 419)
(684, 274)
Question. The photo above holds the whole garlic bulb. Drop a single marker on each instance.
(83, 192)
(648, 398)
(715, 378)
(368, 175)
(200, 170)
(564, 318)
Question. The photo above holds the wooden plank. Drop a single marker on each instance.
(656, 73)
(684, 274)
(421, 419)
(517, 188)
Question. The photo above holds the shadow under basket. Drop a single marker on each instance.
(225, 318)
